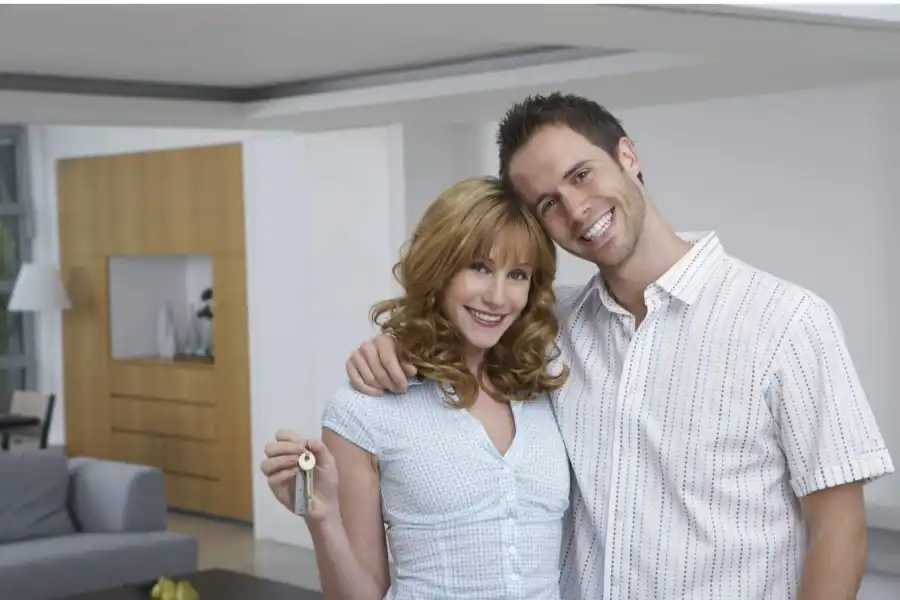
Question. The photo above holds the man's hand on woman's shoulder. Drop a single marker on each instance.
(375, 367)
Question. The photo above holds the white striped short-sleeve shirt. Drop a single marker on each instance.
(692, 437)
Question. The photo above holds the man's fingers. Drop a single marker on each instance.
(408, 369)
(395, 372)
(364, 380)
(387, 356)
(370, 355)
(356, 380)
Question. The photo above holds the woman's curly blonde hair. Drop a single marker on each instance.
(474, 220)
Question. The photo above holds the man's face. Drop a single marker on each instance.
(590, 204)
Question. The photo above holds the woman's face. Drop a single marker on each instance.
(483, 300)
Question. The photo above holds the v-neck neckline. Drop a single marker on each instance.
(481, 432)
(476, 429)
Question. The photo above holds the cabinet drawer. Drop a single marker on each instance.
(187, 457)
(188, 383)
(173, 419)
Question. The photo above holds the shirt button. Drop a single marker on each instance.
(514, 577)
(512, 550)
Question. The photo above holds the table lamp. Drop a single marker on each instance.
(38, 289)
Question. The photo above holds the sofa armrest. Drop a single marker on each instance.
(107, 496)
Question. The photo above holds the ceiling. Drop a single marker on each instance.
(323, 66)
(230, 45)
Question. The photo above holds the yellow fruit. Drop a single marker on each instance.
(186, 591)
(157, 592)
(168, 590)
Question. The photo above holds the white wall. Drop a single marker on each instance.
(804, 185)
(320, 218)
(879, 587)
(435, 156)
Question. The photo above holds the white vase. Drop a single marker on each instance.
(165, 332)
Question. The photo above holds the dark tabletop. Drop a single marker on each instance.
(215, 584)
(8, 421)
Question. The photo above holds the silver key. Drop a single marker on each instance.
(303, 493)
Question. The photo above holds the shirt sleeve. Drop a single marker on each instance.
(349, 414)
(826, 427)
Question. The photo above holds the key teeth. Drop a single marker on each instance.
(303, 491)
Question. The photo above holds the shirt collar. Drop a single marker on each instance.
(684, 279)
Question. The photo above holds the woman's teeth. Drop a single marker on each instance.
(487, 318)
(599, 228)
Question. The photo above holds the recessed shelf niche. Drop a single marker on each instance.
(142, 286)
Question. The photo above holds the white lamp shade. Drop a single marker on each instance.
(38, 288)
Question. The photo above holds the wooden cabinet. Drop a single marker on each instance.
(190, 418)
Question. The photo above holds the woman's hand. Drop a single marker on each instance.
(281, 470)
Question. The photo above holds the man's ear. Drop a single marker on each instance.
(628, 158)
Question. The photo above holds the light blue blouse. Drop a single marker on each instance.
(463, 521)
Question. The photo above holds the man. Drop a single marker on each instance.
(718, 434)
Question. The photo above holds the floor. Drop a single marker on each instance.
(228, 545)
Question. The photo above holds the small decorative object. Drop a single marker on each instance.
(165, 332)
(191, 344)
(168, 589)
(205, 314)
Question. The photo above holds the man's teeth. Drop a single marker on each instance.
(599, 228)
(486, 317)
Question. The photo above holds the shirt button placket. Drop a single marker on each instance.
(512, 554)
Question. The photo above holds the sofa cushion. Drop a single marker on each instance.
(50, 568)
(34, 495)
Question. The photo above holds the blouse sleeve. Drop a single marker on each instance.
(350, 414)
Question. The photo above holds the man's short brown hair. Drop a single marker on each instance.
(579, 114)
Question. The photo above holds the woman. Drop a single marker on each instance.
(467, 469)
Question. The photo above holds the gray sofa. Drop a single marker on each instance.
(70, 526)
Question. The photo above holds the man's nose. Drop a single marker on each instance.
(577, 208)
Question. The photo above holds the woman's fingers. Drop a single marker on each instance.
(273, 465)
(274, 449)
(288, 435)
(281, 477)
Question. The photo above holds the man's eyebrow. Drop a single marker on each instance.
(574, 168)
(571, 171)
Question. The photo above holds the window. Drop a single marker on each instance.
(17, 359)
